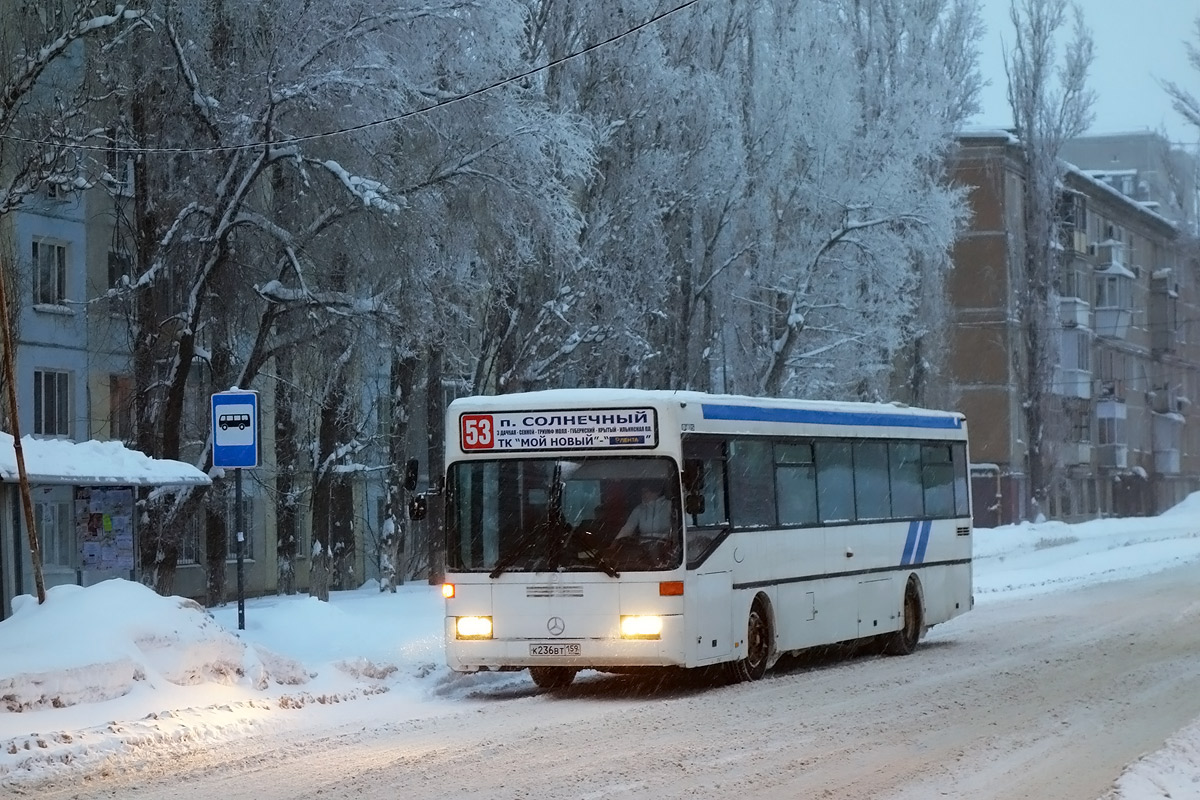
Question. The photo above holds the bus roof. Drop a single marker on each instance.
(561, 399)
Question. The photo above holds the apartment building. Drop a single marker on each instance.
(1162, 176)
(61, 250)
(1125, 438)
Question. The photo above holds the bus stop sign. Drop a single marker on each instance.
(235, 429)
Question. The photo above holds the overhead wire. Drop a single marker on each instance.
(441, 103)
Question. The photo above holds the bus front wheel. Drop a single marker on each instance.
(904, 641)
(758, 646)
(552, 677)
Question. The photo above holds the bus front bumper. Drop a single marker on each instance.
(473, 655)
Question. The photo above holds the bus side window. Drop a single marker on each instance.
(704, 481)
(835, 481)
(872, 493)
(962, 490)
(904, 468)
(704, 475)
(937, 476)
(796, 484)
(751, 483)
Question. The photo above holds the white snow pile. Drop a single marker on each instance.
(130, 636)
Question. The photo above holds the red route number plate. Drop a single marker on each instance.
(478, 432)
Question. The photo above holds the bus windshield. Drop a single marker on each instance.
(579, 514)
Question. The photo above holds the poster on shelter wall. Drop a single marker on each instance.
(104, 524)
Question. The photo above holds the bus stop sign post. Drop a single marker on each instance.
(235, 446)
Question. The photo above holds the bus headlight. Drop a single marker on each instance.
(641, 627)
(473, 627)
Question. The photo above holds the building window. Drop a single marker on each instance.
(1081, 426)
(119, 165)
(1074, 279)
(1110, 423)
(51, 403)
(1114, 291)
(120, 400)
(1076, 349)
(49, 273)
(56, 534)
(119, 265)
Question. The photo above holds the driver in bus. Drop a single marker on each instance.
(650, 520)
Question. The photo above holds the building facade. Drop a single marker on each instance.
(1125, 437)
(1162, 176)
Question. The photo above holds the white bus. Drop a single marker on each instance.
(791, 524)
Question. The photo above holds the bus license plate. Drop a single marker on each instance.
(554, 649)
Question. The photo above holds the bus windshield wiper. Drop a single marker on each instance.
(593, 553)
(518, 550)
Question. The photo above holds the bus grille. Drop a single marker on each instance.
(964, 531)
(553, 590)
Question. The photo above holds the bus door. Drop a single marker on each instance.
(708, 622)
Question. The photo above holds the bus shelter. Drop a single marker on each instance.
(84, 503)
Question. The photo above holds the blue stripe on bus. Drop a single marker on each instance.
(817, 417)
(923, 541)
(910, 544)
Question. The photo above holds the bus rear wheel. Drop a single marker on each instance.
(758, 647)
(552, 677)
(904, 641)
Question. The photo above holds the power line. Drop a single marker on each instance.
(386, 120)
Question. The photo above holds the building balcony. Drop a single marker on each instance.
(1072, 383)
(1113, 323)
(1074, 312)
(1166, 462)
(1114, 300)
(1168, 441)
(1076, 453)
(1108, 253)
(1113, 456)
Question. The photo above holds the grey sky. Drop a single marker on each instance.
(1138, 43)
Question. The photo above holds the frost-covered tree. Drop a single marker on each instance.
(489, 180)
(247, 193)
(48, 103)
(1050, 101)
(768, 200)
(852, 114)
(1186, 101)
(242, 83)
(657, 211)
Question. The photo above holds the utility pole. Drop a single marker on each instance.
(10, 378)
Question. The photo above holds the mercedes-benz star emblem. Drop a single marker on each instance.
(556, 626)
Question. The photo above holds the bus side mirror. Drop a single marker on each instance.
(410, 474)
(693, 503)
(418, 507)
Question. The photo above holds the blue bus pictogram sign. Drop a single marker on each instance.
(235, 429)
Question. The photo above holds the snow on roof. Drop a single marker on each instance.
(1081, 174)
(584, 399)
(1118, 195)
(59, 461)
(1116, 268)
(988, 132)
(1100, 173)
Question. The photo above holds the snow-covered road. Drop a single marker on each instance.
(1045, 697)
